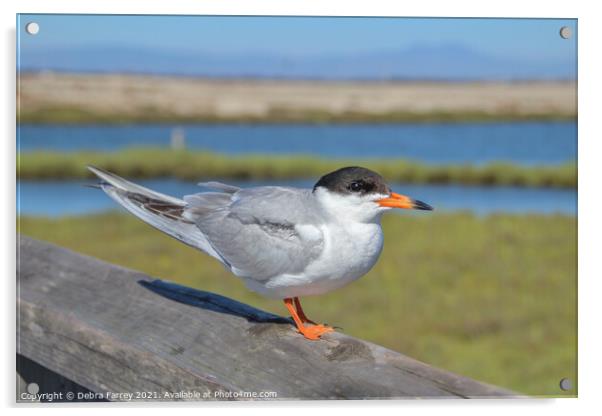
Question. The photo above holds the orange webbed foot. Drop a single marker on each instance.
(305, 326)
(315, 332)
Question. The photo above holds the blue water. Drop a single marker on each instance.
(523, 143)
(59, 198)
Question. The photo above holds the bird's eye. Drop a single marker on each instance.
(355, 186)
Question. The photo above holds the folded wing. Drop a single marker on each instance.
(263, 232)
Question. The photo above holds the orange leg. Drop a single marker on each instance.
(301, 314)
(309, 332)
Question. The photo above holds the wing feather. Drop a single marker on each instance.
(258, 234)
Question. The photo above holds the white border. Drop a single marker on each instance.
(589, 188)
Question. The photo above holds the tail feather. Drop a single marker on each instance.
(161, 211)
(119, 182)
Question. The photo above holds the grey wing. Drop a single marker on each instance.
(263, 232)
(218, 186)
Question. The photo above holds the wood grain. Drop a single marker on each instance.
(111, 330)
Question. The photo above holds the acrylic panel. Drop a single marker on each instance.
(411, 181)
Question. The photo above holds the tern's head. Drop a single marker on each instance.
(360, 194)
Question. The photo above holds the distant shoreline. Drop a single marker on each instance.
(74, 116)
(126, 98)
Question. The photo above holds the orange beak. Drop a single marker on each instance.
(401, 201)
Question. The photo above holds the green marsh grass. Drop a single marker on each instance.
(493, 298)
(139, 163)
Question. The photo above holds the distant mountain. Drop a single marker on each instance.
(446, 62)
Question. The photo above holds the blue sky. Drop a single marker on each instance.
(300, 35)
(516, 39)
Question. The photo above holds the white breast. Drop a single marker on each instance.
(349, 253)
(352, 242)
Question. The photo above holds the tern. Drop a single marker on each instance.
(283, 242)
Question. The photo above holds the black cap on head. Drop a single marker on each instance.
(353, 180)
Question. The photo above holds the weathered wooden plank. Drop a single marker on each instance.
(115, 331)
